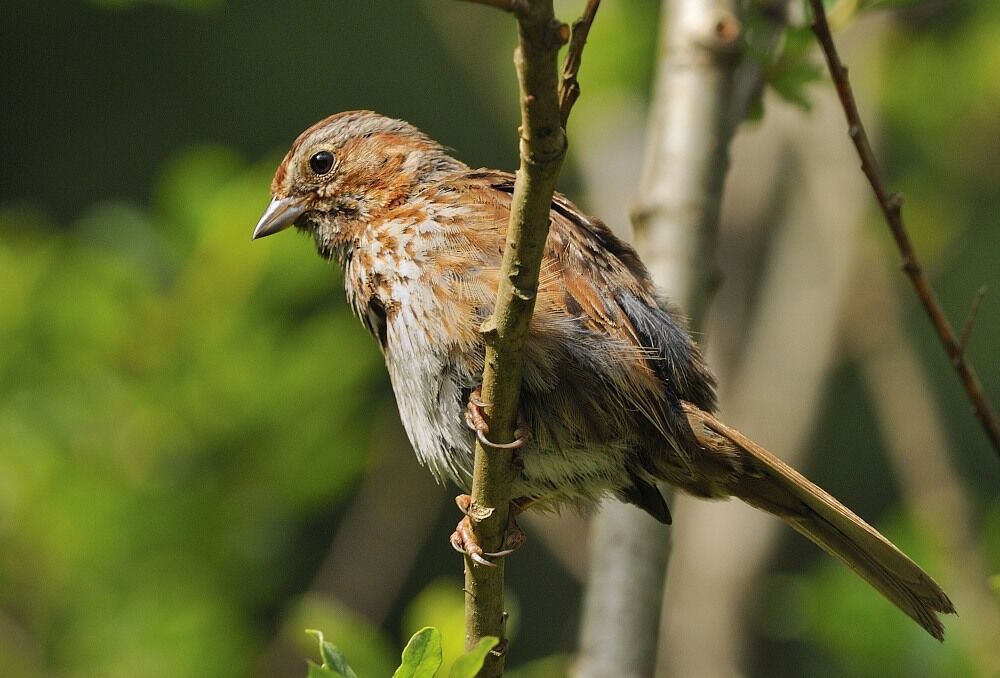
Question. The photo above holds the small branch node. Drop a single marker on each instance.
(501, 648)
(562, 33)
(911, 267)
(523, 294)
(542, 159)
(479, 513)
(726, 31)
(489, 328)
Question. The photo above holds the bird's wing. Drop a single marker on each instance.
(596, 306)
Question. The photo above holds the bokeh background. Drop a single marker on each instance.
(199, 451)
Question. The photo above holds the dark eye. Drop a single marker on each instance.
(322, 162)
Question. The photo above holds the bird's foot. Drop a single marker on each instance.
(464, 541)
(475, 420)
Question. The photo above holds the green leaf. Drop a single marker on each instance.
(442, 605)
(317, 671)
(370, 652)
(468, 665)
(333, 658)
(422, 655)
(334, 661)
(794, 69)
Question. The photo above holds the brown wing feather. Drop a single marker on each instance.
(587, 276)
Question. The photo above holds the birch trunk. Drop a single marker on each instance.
(675, 219)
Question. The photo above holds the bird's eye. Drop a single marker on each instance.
(322, 162)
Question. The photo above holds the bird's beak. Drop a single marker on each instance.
(279, 215)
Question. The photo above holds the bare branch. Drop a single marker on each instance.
(892, 204)
(569, 87)
(542, 149)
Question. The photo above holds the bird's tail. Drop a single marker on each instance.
(772, 485)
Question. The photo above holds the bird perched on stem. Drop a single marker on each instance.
(615, 396)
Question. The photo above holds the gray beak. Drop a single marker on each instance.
(279, 215)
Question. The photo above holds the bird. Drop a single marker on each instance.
(616, 396)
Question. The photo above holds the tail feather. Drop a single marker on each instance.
(770, 484)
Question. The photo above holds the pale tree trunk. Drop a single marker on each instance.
(772, 386)
(675, 217)
(676, 210)
(773, 392)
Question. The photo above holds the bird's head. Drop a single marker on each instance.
(348, 168)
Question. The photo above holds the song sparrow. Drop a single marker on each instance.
(616, 396)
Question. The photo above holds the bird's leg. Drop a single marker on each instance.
(464, 541)
(475, 420)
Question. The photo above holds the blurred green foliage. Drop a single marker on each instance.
(836, 611)
(795, 67)
(190, 5)
(442, 602)
(183, 414)
(162, 407)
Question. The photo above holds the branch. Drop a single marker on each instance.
(891, 204)
(569, 87)
(542, 149)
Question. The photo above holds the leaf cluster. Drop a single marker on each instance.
(422, 658)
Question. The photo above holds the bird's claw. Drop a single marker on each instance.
(464, 541)
(475, 420)
(513, 445)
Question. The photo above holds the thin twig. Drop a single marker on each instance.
(970, 320)
(569, 86)
(542, 149)
(891, 204)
